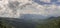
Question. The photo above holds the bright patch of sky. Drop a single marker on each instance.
(58, 1)
(48, 1)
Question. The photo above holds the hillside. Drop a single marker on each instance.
(15, 23)
(52, 22)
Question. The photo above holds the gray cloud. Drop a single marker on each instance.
(33, 8)
(13, 4)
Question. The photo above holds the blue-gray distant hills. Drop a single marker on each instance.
(32, 16)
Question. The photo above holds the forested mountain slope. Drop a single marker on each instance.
(52, 22)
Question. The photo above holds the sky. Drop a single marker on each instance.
(42, 7)
(47, 1)
(52, 7)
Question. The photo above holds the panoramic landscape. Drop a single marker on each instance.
(29, 13)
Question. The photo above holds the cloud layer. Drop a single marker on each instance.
(47, 1)
(29, 8)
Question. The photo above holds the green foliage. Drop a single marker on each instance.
(50, 23)
(3, 24)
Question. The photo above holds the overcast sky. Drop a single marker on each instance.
(42, 7)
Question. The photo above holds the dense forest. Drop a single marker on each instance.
(52, 22)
